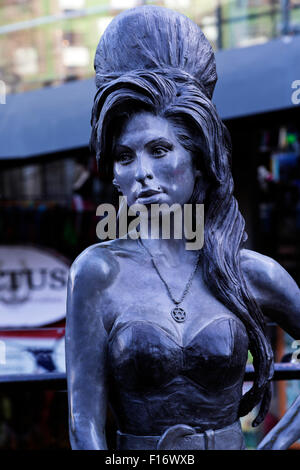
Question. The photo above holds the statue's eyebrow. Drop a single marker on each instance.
(160, 141)
(119, 147)
(157, 141)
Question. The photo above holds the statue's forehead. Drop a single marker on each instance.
(142, 127)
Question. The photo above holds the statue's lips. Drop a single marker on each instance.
(148, 195)
(148, 192)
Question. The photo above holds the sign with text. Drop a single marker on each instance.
(33, 287)
(32, 351)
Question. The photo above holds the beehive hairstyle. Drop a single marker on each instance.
(153, 59)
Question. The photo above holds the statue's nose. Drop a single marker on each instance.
(143, 170)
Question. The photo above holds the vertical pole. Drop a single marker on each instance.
(219, 26)
(273, 18)
(285, 15)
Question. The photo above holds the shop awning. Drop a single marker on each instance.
(252, 80)
(257, 79)
(48, 120)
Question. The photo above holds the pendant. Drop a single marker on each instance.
(178, 314)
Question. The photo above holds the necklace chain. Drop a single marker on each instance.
(188, 285)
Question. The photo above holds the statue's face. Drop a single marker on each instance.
(150, 164)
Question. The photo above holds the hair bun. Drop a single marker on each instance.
(154, 38)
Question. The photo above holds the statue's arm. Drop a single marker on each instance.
(286, 431)
(86, 342)
(279, 296)
(274, 289)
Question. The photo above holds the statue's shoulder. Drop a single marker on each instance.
(96, 263)
(257, 263)
(101, 262)
(274, 290)
(267, 278)
(261, 270)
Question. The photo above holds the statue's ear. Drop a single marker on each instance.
(117, 186)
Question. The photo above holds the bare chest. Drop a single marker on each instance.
(138, 293)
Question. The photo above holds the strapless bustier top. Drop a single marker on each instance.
(144, 357)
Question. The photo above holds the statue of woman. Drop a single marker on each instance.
(160, 332)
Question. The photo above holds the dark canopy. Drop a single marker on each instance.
(251, 80)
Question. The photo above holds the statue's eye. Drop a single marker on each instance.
(124, 158)
(159, 151)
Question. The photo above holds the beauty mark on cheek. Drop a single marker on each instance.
(178, 171)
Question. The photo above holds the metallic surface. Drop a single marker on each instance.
(122, 345)
(182, 437)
